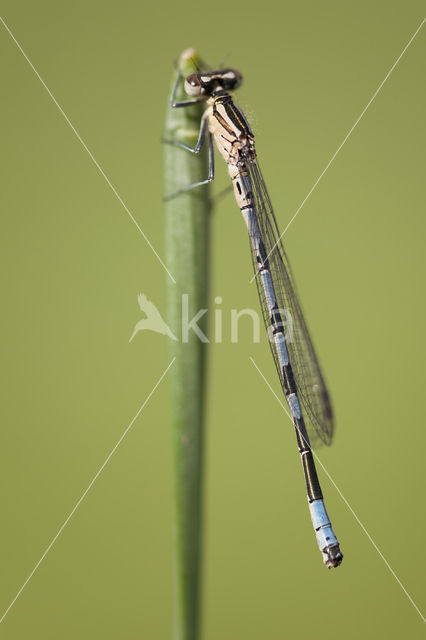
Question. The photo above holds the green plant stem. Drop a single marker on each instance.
(187, 249)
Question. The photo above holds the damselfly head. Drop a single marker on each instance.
(206, 84)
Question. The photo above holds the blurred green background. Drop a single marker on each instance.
(73, 264)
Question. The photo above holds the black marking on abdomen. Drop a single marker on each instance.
(289, 382)
(313, 487)
(262, 257)
(276, 321)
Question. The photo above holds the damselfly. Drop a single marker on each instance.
(294, 355)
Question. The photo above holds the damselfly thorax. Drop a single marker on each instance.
(234, 140)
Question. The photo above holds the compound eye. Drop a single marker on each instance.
(231, 79)
(238, 79)
(193, 86)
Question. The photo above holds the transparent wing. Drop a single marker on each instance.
(311, 389)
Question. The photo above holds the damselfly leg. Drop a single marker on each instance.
(196, 149)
